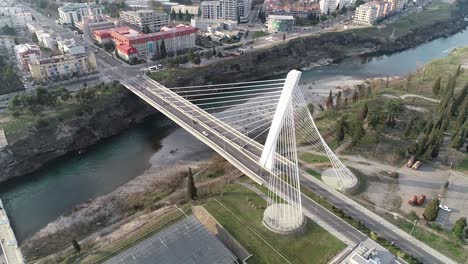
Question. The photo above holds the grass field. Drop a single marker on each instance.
(314, 173)
(259, 34)
(314, 246)
(312, 158)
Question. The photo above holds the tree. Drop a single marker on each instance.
(162, 49)
(362, 114)
(311, 108)
(458, 229)
(191, 188)
(339, 103)
(76, 246)
(199, 13)
(180, 16)
(173, 15)
(393, 108)
(357, 131)
(431, 210)
(197, 59)
(462, 113)
(459, 139)
(187, 16)
(436, 86)
(146, 29)
(329, 102)
(340, 133)
(7, 30)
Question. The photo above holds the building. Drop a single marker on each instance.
(48, 39)
(192, 10)
(127, 52)
(14, 17)
(203, 24)
(62, 67)
(328, 6)
(25, 53)
(366, 14)
(141, 19)
(226, 9)
(93, 22)
(7, 46)
(279, 23)
(177, 39)
(69, 46)
(72, 13)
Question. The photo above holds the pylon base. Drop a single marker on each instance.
(283, 218)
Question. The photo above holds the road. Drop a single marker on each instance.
(228, 143)
(8, 243)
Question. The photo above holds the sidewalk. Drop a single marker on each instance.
(8, 241)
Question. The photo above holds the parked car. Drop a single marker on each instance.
(416, 165)
(410, 161)
(205, 133)
(413, 200)
(445, 208)
(421, 199)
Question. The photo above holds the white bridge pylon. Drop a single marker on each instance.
(293, 122)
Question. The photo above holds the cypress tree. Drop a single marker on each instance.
(76, 245)
(329, 102)
(362, 114)
(462, 113)
(340, 130)
(345, 104)
(338, 104)
(191, 189)
(436, 86)
(162, 49)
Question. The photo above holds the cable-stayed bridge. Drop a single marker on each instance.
(234, 118)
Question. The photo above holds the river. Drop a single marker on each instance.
(41, 197)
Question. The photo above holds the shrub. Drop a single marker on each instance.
(431, 210)
(458, 229)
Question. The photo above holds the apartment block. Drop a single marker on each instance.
(62, 67)
(72, 13)
(366, 14)
(140, 19)
(25, 53)
(226, 9)
(69, 46)
(48, 39)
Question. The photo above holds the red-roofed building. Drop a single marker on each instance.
(177, 39)
(126, 52)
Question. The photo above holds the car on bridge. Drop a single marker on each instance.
(205, 133)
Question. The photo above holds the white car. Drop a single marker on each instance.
(205, 133)
(445, 208)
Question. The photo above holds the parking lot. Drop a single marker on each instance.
(455, 198)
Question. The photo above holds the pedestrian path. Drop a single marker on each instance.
(3, 140)
(8, 243)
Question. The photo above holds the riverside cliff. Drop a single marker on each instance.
(41, 143)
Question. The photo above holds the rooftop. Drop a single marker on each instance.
(186, 241)
(74, 6)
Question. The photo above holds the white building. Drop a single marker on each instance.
(203, 24)
(366, 14)
(48, 39)
(25, 53)
(226, 9)
(72, 13)
(279, 23)
(330, 6)
(192, 10)
(14, 17)
(69, 46)
(140, 19)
